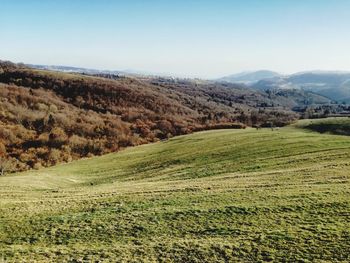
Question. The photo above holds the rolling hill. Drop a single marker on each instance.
(48, 117)
(330, 125)
(215, 196)
(250, 77)
(332, 85)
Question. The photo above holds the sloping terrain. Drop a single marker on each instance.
(332, 85)
(215, 196)
(250, 77)
(49, 117)
(338, 126)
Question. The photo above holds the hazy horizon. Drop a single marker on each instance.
(169, 74)
(202, 39)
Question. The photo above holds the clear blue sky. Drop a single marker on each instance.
(186, 37)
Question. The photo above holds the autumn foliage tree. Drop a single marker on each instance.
(50, 117)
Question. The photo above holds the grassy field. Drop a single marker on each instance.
(217, 196)
(340, 126)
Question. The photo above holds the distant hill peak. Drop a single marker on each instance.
(322, 72)
(331, 84)
(251, 76)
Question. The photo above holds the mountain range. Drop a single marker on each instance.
(91, 71)
(249, 77)
(334, 85)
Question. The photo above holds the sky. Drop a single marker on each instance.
(190, 38)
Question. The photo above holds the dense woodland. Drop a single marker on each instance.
(50, 117)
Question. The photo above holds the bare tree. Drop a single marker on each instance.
(5, 166)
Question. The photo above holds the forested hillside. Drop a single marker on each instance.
(49, 117)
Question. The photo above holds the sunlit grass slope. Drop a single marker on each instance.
(217, 196)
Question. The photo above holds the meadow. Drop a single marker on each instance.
(215, 196)
(340, 126)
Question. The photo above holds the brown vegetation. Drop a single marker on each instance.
(50, 117)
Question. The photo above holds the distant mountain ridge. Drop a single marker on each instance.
(319, 86)
(248, 77)
(334, 85)
(289, 95)
(69, 69)
(91, 71)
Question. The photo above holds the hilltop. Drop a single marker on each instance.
(250, 77)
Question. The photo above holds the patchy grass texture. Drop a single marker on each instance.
(340, 126)
(217, 196)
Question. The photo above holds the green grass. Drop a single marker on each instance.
(340, 126)
(217, 196)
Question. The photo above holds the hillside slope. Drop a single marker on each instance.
(218, 196)
(50, 117)
(338, 126)
(333, 85)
